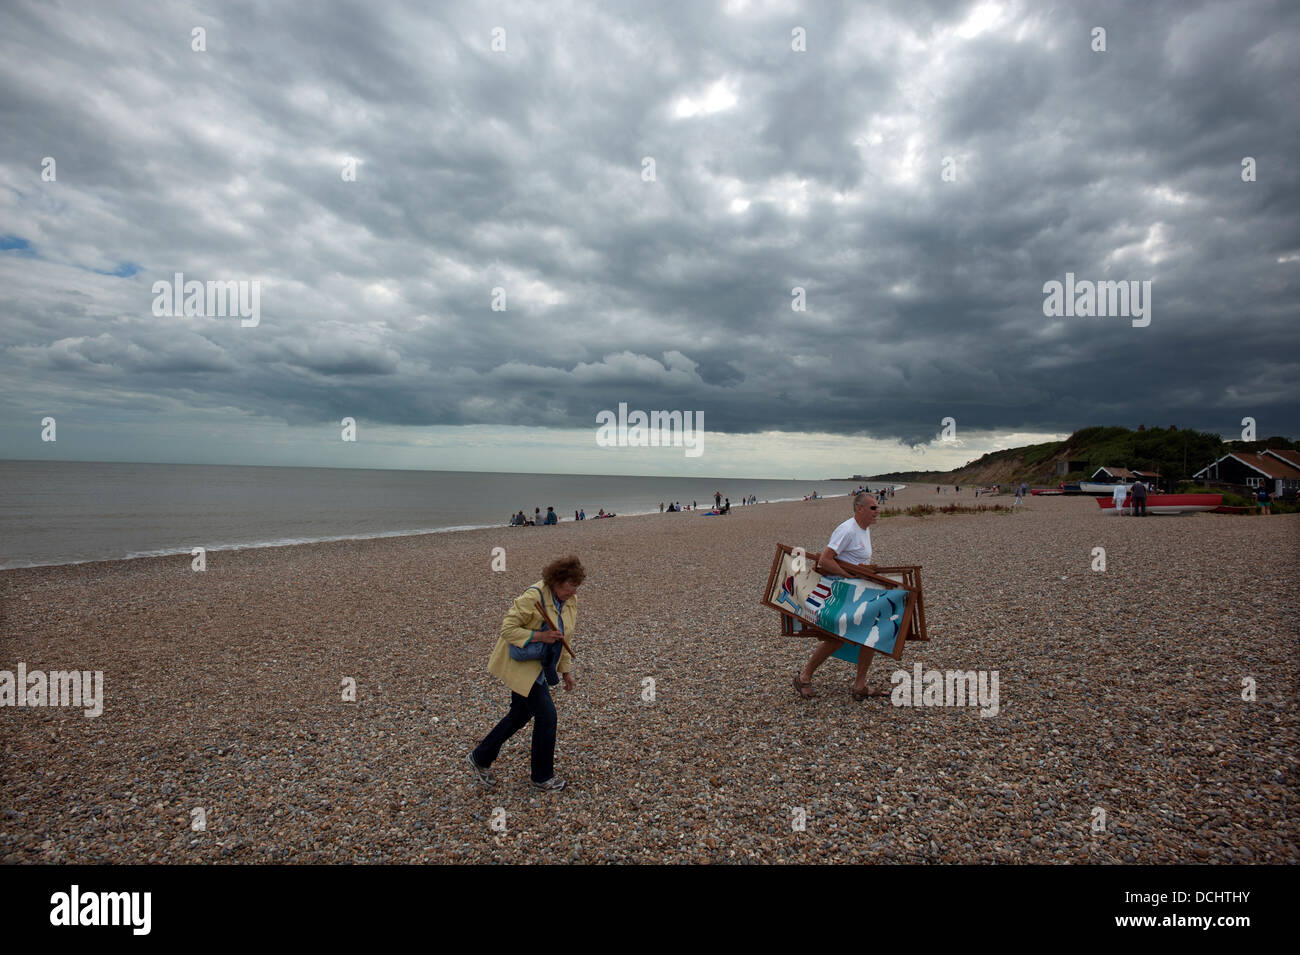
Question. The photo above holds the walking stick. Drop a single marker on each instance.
(542, 607)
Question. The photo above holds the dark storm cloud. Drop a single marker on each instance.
(522, 170)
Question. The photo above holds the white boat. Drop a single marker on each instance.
(1096, 487)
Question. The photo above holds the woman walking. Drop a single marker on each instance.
(525, 660)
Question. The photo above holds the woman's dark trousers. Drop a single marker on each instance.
(538, 707)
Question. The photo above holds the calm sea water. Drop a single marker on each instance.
(59, 512)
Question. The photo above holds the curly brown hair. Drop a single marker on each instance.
(564, 569)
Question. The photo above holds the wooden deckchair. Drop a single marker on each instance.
(912, 627)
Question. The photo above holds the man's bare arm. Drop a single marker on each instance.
(827, 564)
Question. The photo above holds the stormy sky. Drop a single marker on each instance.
(646, 185)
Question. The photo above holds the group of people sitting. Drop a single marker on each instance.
(550, 517)
(721, 505)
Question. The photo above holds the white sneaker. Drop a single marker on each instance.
(485, 777)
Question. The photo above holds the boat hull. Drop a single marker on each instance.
(1167, 504)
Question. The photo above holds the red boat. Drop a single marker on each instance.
(1168, 503)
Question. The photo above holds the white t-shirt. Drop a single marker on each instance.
(851, 543)
(1120, 492)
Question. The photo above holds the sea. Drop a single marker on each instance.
(64, 512)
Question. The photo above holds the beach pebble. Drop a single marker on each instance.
(1119, 691)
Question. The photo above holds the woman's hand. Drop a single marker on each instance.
(546, 636)
(568, 683)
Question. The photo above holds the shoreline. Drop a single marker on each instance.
(376, 535)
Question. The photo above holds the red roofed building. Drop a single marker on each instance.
(1255, 469)
(1290, 457)
(1111, 475)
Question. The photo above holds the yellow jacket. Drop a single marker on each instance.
(520, 622)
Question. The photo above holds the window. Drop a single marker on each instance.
(1254, 482)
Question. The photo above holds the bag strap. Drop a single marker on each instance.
(541, 605)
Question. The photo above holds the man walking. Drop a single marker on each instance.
(1139, 499)
(851, 543)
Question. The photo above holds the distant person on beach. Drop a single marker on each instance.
(1265, 501)
(661, 507)
(717, 500)
(1139, 499)
(1119, 494)
(727, 509)
(537, 516)
(582, 514)
(551, 516)
(851, 543)
(544, 613)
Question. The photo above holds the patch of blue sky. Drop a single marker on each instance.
(14, 243)
(123, 271)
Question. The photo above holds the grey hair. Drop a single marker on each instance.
(861, 498)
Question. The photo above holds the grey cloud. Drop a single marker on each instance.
(522, 170)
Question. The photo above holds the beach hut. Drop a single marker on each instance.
(1255, 469)
(1113, 476)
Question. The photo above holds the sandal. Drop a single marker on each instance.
(869, 695)
(803, 689)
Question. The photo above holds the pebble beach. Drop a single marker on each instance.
(1147, 712)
